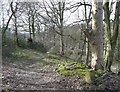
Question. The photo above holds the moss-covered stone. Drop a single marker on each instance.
(89, 75)
(68, 69)
(99, 72)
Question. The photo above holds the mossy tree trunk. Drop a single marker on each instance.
(87, 18)
(110, 37)
(95, 37)
(107, 31)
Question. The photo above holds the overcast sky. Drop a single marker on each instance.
(69, 19)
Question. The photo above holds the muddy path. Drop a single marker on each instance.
(25, 74)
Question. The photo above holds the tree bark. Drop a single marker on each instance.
(61, 42)
(33, 27)
(54, 36)
(29, 27)
(87, 41)
(96, 39)
(61, 10)
(16, 31)
(107, 32)
(110, 38)
(15, 24)
(6, 27)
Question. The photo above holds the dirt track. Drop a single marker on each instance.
(25, 74)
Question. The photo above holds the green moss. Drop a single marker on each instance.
(98, 75)
(81, 71)
(64, 72)
(99, 72)
(67, 73)
(68, 69)
(81, 66)
(92, 76)
(61, 68)
(89, 75)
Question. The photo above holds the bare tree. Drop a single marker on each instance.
(87, 21)
(29, 11)
(14, 12)
(111, 35)
(55, 12)
(96, 35)
(6, 27)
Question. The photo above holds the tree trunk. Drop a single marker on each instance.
(61, 42)
(6, 27)
(82, 51)
(107, 32)
(15, 22)
(96, 38)
(115, 34)
(87, 53)
(33, 27)
(54, 36)
(87, 42)
(29, 28)
(118, 50)
(110, 38)
(61, 10)
(15, 25)
(16, 31)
